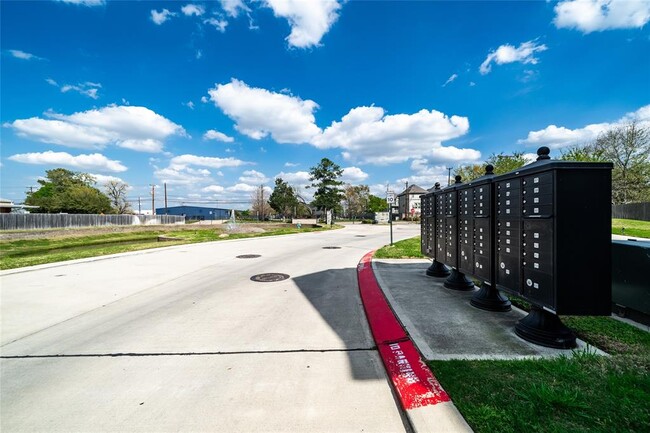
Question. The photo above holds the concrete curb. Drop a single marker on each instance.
(427, 406)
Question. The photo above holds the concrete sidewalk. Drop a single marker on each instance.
(442, 323)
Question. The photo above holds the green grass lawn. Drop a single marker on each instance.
(29, 252)
(580, 392)
(639, 229)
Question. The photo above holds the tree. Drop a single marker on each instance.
(283, 199)
(66, 191)
(356, 199)
(501, 162)
(324, 178)
(585, 153)
(628, 147)
(259, 204)
(377, 204)
(116, 192)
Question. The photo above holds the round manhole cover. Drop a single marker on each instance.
(269, 278)
(249, 256)
(331, 248)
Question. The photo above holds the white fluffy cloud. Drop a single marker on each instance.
(162, 16)
(95, 161)
(102, 179)
(192, 9)
(183, 175)
(216, 135)
(242, 187)
(365, 134)
(259, 112)
(136, 128)
(204, 161)
(368, 135)
(309, 20)
(426, 175)
(353, 175)
(557, 137)
(524, 53)
(213, 188)
(253, 177)
(233, 7)
(296, 178)
(598, 15)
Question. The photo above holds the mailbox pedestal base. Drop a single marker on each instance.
(490, 299)
(437, 269)
(458, 281)
(546, 329)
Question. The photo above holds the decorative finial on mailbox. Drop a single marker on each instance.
(436, 186)
(489, 169)
(542, 153)
(458, 178)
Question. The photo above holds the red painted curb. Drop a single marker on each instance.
(416, 386)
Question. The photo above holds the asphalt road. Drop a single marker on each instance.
(181, 339)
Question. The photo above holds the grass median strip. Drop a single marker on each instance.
(53, 248)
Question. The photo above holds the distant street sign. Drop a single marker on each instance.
(390, 197)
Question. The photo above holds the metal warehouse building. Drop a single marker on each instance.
(195, 212)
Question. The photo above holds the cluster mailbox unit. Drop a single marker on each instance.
(541, 232)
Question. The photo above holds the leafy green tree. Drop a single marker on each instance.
(470, 172)
(586, 153)
(501, 162)
(376, 204)
(325, 179)
(283, 199)
(66, 191)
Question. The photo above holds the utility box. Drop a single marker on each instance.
(553, 235)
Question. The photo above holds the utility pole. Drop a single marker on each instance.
(165, 185)
(153, 199)
(31, 190)
(139, 206)
(449, 176)
(262, 201)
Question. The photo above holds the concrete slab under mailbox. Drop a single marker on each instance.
(443, 324)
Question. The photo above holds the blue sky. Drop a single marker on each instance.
(217, 98)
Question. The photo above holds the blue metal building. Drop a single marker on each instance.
(196, 212)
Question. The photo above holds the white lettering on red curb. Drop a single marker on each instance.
(414, 381)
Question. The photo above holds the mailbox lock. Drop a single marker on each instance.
(503, 265)
(529, 282)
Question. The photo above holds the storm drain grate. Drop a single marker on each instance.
(269, 278)
(331, 248)
(249, 256)
(359, 236)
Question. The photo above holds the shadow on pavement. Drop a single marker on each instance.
(334, 293)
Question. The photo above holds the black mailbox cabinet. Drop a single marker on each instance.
(553, 235)
(429, 232)
(427, 225)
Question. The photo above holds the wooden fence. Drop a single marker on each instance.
(11, 221)
(632, 211)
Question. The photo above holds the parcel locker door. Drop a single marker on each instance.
(538, 287)
(508, 272)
